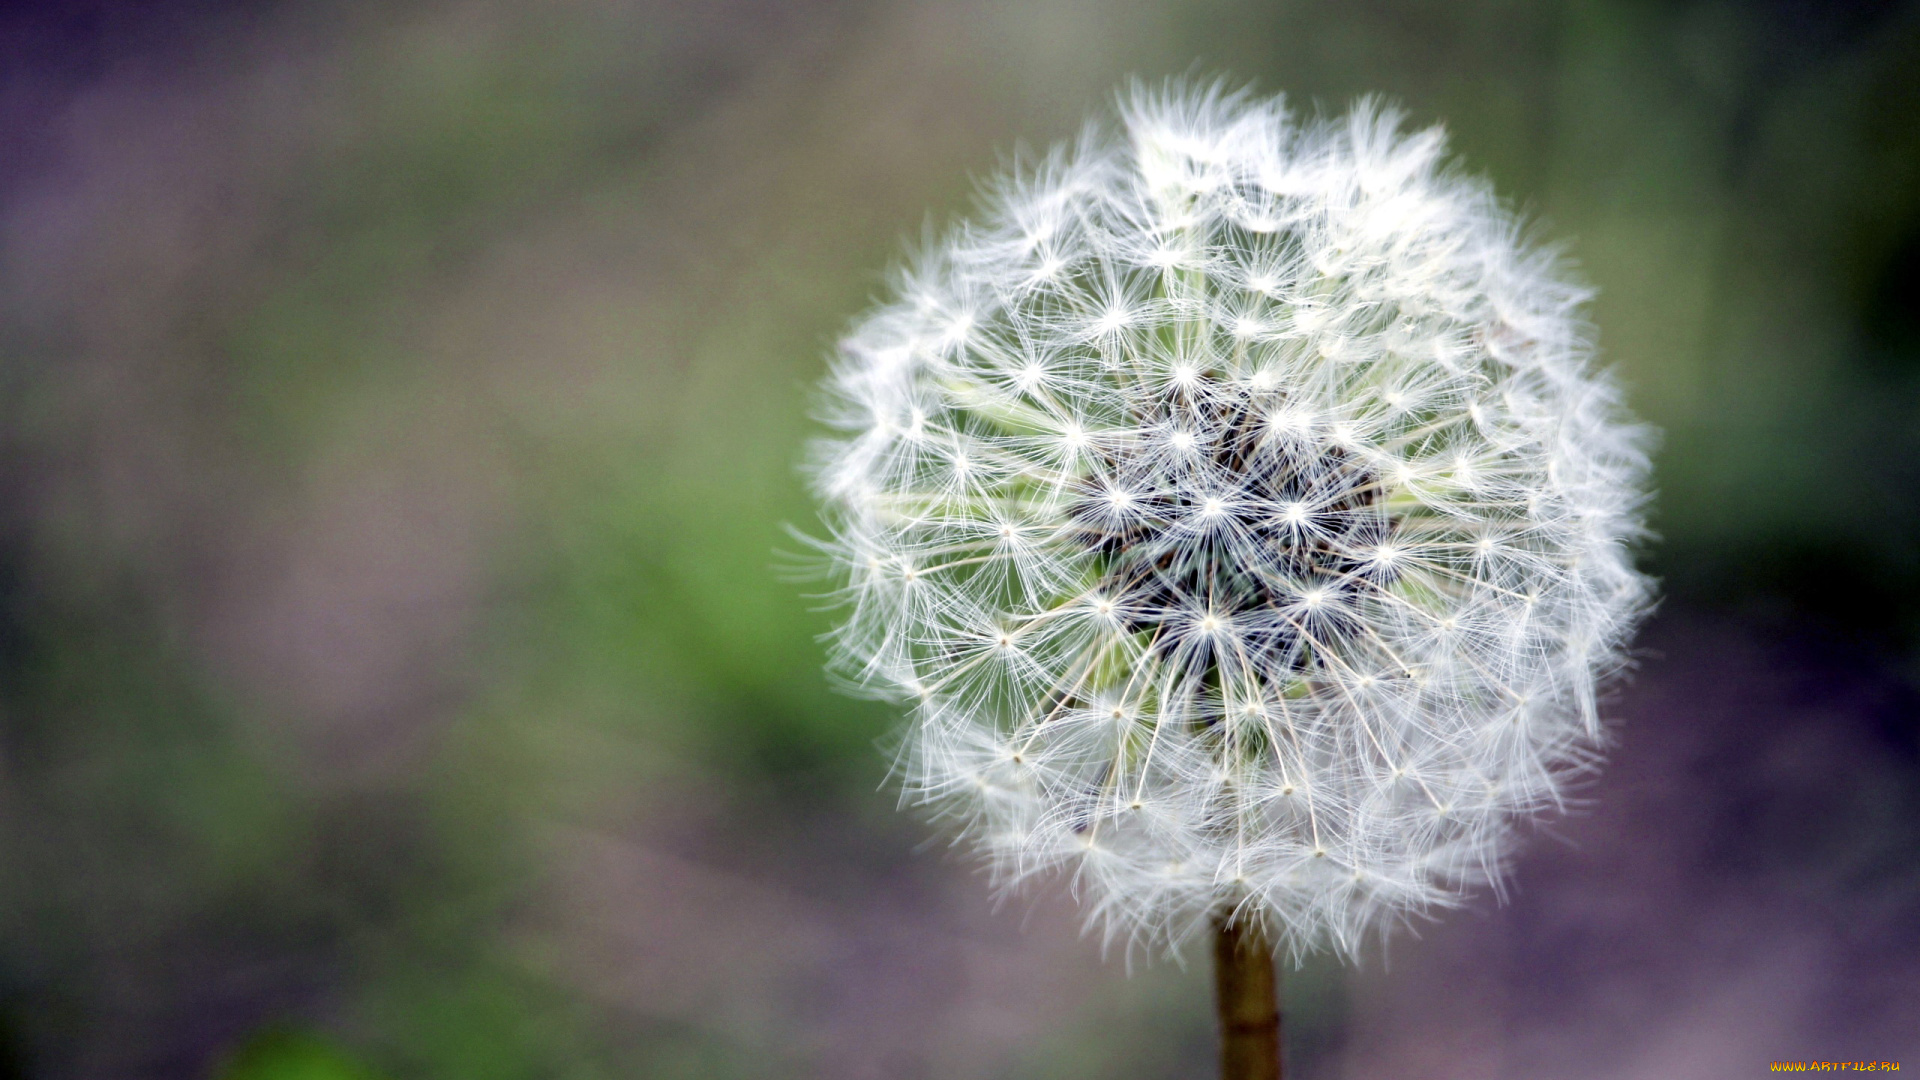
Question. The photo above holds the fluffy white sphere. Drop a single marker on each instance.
(1238, 506)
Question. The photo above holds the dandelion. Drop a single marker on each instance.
(1238, 508)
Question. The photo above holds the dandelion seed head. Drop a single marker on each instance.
(1238, 507)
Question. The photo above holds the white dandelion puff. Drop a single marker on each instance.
(1238, 507)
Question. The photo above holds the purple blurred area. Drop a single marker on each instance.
(399, 406)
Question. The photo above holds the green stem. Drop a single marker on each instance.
(1246, 994)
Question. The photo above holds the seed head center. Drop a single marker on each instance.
(1223, 526)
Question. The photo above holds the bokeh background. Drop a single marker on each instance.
(399, 405)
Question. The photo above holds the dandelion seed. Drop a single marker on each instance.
(1252, 525)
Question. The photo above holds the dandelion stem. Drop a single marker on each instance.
(1247, 996)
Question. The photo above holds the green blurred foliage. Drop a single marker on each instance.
(289, 1055)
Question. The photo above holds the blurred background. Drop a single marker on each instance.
(399, 406)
